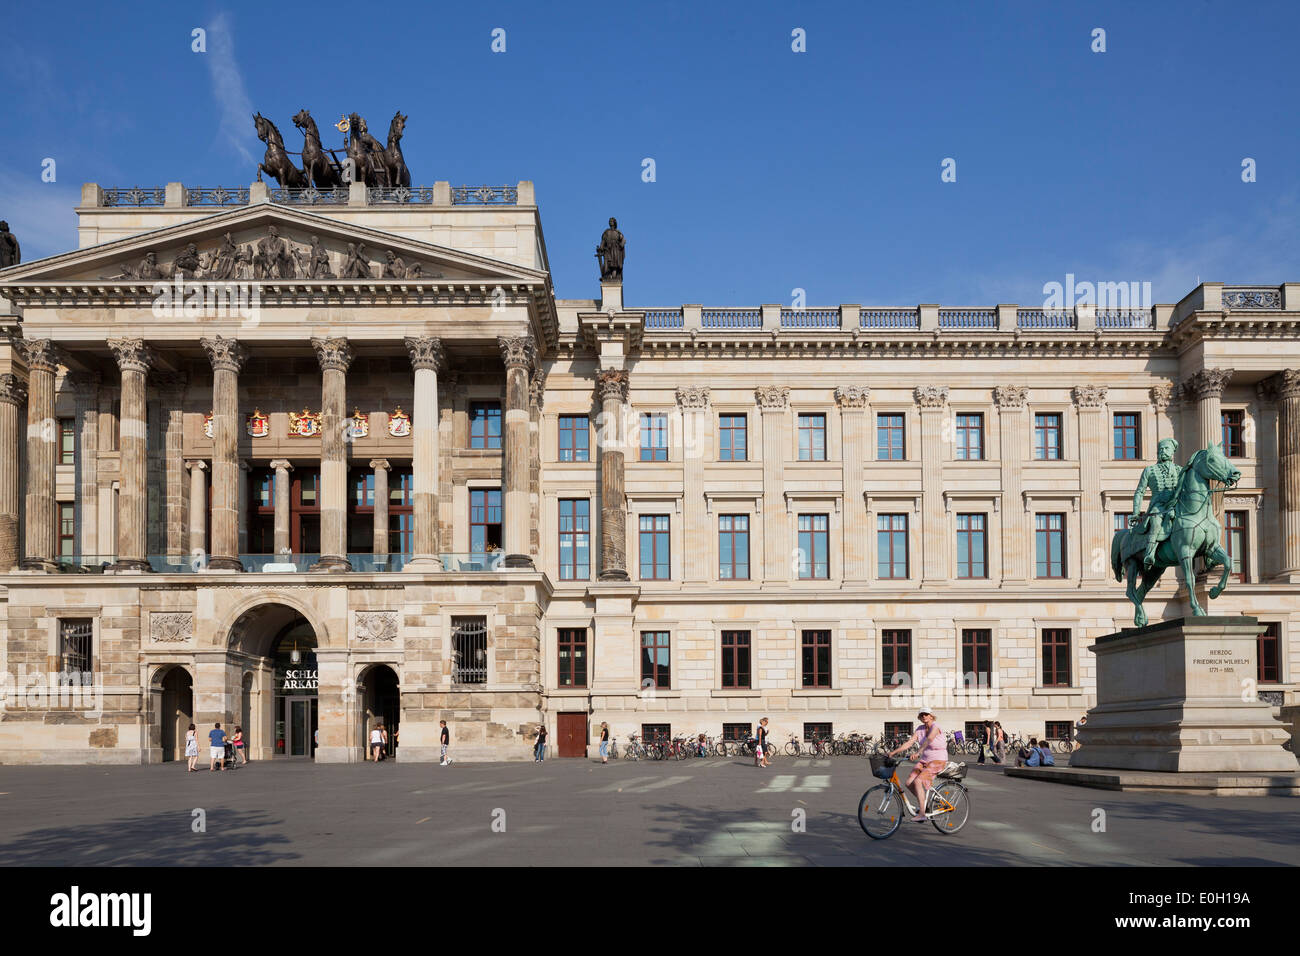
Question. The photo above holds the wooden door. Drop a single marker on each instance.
(571, 729)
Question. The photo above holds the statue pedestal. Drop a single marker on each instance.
(611, 295)
(1170, 698)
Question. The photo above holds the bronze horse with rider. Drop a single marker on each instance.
(365, 160)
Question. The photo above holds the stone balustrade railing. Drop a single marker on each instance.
(355, 194)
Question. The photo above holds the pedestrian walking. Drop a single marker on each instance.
(216, 748)
(445, 740)
(377, 740)
(238, 742)
(539, 749)
(1083, 722)
(986, 738)
(192, 748)
(761, 745)
(604, 742)
(999, 742)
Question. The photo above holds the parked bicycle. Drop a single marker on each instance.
(880, 811)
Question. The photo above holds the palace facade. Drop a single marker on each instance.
(307, 461)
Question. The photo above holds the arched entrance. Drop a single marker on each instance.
(381, 702)
(175, 711)
(274, 647)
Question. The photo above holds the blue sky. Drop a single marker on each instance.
(775, 170)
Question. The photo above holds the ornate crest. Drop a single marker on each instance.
(257, 424)
(399, 423)
(358, 424)
(207, 424)
(304, 424)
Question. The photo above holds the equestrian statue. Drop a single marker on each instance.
(1178, 525)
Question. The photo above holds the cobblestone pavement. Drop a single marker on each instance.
(720, 812)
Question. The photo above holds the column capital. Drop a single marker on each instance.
(1162, 396)
(517, 351)
(40, 354)
(380, 464)
(284, 463)
(427, 352)
(852, 396)
(196, 464)
(612, 383)
(132, 354)
(1286, 383)
(333, 353)
(930, 396)
(225, 354)
(693, 396)
(1010, 396)
(1089, 396)
(772, 397)
(1208, 382)
(13, 390)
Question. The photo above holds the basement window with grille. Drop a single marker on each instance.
(76, 647)
(469, 650)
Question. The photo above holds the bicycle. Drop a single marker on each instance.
(1062, 745)
(880, 811)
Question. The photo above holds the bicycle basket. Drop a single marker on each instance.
(954, 771)
(883, 767)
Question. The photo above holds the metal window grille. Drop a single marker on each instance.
(76, 644)
(469, 650)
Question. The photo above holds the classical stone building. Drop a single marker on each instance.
(307, 461)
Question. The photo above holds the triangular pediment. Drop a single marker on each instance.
(239, 245)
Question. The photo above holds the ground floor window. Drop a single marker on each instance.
(737, 731)
(76, 645)
(469, 650)
(1059, 730)
(651, 733)
(1269, 644)
(973, 729)
(817, 730)
(898, 728)
(573, 657)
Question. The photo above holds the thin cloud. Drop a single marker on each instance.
(228, 86)
(42, 215)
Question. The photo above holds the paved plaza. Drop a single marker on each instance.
(716, 812)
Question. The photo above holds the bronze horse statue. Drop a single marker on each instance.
(276, 162)
(317, 167)
(398, 174)
(366, 154)
(1194, 531)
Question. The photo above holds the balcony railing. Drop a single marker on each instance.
(474, 561)
(364, 562)
(1045, 318)
(889, 319)
(968, 318)
(731, 319)
(810, 318)
(310, 196)
(484, 195)
(663, 318)
(1125, 319)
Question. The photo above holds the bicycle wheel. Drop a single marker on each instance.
(1066, 746)
(630, 752)
(680, 752)
(880, 811)
(950, 807)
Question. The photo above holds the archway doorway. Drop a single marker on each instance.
(381, 703)
(176, 712)
(274, 646)
(294, 706)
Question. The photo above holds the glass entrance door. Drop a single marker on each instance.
(300, 722)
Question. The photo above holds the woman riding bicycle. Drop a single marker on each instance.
(932, 758)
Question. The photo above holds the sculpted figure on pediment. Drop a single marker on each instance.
(355, 266)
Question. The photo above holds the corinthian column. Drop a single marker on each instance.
(1206, 388)
(335, 357)
(227, 357)
(518, 355)
(1010, 400)
(13, 396)
(198, 511)
(428, 359)
(611, 384)
(42, 359)
(133, 361)
(1288, 467)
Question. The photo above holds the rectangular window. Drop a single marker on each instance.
(1049, 545)
(656, 660)
(485, 520)
(67, 529)
(895, 655)
(1121, 521)
(733, 444)
(651, 733)
(736, 732)
(575, 539)
(814, 546)
(1235, 542)
(818, 731)
(76, 646)
(735, 659)
(970, 437)
(889, 438)
(67, 441)
(977, 657)
(1128, 436)
(733, 547)
(1058, 730)
(816, 646)
(401, 511)
(655, 561)
(654, 436)
(898, 728)
(469, 650)
(973, 729)
(1234, 433)
(812, 437)
(575, 435)
(1047, 437)
(972, 547)
(1269, 654)
(484, 424)
(572, 643)
(1056, 657)
(891, 546)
